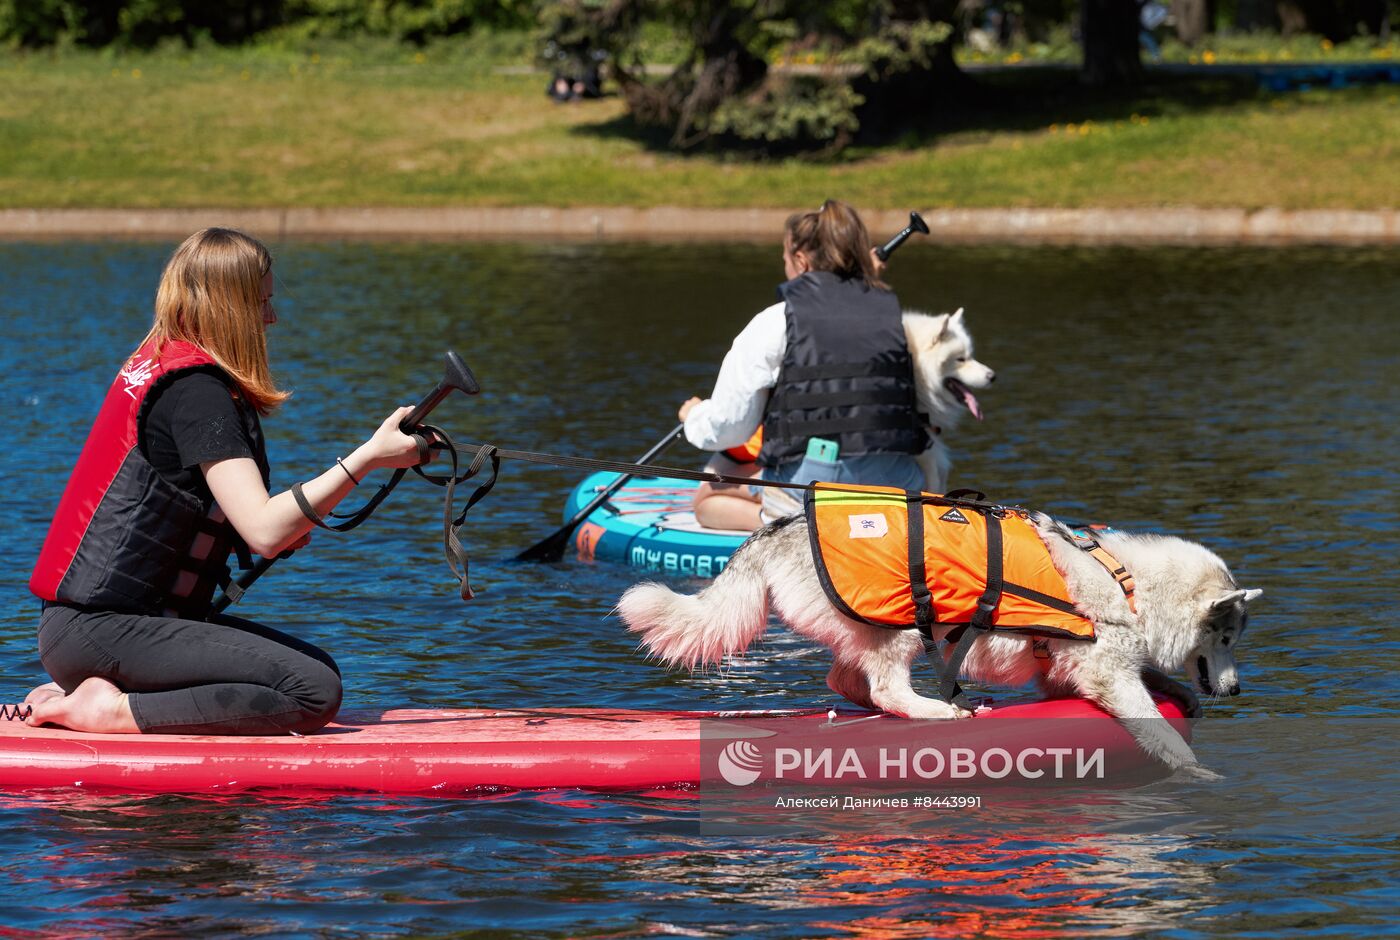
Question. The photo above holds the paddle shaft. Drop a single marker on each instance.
(551, 548)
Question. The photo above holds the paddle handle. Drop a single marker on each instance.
(916, 224)
(458, 378)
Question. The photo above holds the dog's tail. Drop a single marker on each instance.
(698, 629)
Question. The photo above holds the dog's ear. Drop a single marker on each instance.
(949, 320)
(1232, 598)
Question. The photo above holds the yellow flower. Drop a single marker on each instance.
(1208, 57)
(1326, 44)
(135, 73)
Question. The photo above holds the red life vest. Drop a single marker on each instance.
(124, 537)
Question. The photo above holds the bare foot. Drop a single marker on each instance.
(49, 690)
(97, 706)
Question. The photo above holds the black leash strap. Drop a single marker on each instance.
(456, 552)
(453, 548)
(918, 576)
(357, 517)
(960, 638)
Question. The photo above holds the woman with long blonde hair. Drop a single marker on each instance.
(824, 374)
(172, 480)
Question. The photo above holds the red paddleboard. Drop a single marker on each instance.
(427, 751)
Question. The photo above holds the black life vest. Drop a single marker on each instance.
(125, 538)
(846, 375)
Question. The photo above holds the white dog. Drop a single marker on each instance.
(1190, 613)
(945, 373)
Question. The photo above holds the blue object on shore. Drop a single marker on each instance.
(1282, 78)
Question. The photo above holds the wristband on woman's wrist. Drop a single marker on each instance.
(347, 471)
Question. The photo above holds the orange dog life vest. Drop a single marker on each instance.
(747, 452)
(980, 565)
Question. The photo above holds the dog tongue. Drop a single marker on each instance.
(970, 400)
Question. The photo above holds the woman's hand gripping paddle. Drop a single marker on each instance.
(552, 548)
(457, 378)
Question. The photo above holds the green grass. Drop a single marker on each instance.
(388, 126)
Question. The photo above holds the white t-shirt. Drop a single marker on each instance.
(750, 369)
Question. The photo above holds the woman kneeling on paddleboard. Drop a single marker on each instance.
(825, 373)
(173, 478)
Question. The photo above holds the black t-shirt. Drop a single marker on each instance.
(194, 419)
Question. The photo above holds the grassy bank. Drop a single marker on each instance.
(393, 127)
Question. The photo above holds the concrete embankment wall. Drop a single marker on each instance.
(1179, 226)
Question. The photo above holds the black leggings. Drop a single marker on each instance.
(226, 676)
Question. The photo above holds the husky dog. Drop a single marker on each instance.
(1190, 613)
(945, 373)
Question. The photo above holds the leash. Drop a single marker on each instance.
(455, 550)
(971, 499)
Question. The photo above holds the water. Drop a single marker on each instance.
(1242, 398)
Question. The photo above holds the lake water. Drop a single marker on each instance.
(1244, 398)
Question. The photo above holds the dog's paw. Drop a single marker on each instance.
(1197, 772)
(932, 710)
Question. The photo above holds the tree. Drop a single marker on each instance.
(872, 63)
(1338, 20)
(1194, 19)
(1110, 39)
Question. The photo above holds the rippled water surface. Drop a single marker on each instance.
(1247, 399)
